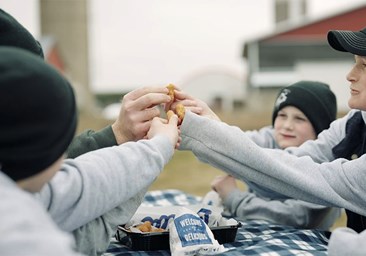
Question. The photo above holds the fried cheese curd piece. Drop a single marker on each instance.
(180, 110)
(147, 227)
(171, 91)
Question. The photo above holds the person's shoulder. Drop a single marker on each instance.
(15, 201)
(351, 113)
(343, 119)
(26, 223)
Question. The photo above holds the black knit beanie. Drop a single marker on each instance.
(12, 33)
(314, 99)
(37, 113)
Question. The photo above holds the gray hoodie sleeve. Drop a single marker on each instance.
(339, 183)
(291, 212)
(94, 237)
(96, 182)
(263, 137)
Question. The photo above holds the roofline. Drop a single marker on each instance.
(286, 26)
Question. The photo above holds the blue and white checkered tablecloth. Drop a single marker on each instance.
(253, 237)
(169, 197)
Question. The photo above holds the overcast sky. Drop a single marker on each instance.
(172, 41)
(142, 42)
(27, 11)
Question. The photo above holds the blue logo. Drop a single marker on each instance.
(191, 230)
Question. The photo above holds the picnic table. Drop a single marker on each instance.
(255, 237)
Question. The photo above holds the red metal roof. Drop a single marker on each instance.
(354, 19)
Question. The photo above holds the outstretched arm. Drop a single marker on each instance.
(96, 182)
(99, 181)
(338, 183)
(138, 109)
(292, 212)
(245, 205)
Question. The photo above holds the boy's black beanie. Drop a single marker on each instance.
(314, 99)
(37, 113)
(12, 33)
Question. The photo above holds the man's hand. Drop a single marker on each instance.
(138, 109)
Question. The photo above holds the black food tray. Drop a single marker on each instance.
(160, 240)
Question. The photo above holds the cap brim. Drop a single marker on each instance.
(348, 41)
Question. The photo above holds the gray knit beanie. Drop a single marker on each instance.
(37, 113)
(314, 99)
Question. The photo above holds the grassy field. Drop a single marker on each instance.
(184, 171)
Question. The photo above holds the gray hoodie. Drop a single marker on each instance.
(26, 228)
(313, 175)
(108, 182)
(261, 203)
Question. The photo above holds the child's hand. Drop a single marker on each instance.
(224, 185)
(161, 126)
(194, 105)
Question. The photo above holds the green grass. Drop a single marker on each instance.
(186, 173)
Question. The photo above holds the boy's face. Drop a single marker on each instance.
(292, 128)
(357, 77)
(36, 182)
